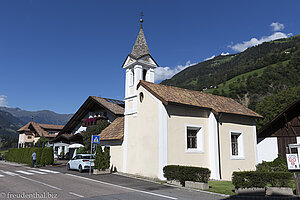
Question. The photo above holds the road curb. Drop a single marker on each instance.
(13, 163)
(161, 182)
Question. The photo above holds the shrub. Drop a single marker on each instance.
(277, 165)
(81, 150)
(249, 179)
(102, 158)
(186, 173)
(106, 158)
(24, 155)
(47, 157)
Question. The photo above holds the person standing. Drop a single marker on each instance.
(33, 159)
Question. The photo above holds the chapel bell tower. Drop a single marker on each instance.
(139, 65)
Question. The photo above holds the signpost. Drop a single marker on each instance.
(293, 164)
(292, 161)
(94, 140)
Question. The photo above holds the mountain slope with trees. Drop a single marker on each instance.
(249, 77)
(9, 124)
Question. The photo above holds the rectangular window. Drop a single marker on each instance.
(192, 138)
(236, 145)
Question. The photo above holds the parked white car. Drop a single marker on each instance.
(81, 162)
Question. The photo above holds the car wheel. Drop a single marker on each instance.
(68, 166)
(80, 168)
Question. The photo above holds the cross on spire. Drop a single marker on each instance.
(141, 19)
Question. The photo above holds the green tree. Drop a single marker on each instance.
(271, 106)
(93, 130)
(42, 141)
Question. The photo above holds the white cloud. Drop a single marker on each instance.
(210, 58)
(3, 101)
(254, 41)
(162, 73)
(277, 26)
(224, 54)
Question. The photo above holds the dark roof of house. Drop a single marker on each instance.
(175, 95)
(140, 47)
(41, 128)
(115, 131)
(279, 121)
(115, 107)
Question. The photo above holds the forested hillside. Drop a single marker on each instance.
(9, 124)
(250, 76)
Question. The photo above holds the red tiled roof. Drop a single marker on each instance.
(114, 131)
(115, 108)
(40, 128)
(170, 94)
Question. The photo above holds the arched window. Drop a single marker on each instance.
(144, 74)
(131, 81)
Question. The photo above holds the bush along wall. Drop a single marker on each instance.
(250, 179)
(102, 158)
(186, 173)
(24, 155)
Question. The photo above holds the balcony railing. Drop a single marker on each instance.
(92, 121)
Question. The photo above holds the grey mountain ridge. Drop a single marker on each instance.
(41, 116)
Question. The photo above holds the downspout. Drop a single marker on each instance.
(219, 151)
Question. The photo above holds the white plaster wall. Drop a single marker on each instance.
(116, 159)
(247, 160)
(22, 138)
(177, 153)
(142, 138)
(80, 129)
(267, 149)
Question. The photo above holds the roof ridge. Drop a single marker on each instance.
(196, 91)
(171, 94)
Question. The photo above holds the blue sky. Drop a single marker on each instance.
(54, 54)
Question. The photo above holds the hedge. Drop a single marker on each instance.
(24, 155)
(249, 179)
(186, 173)
(102, 158)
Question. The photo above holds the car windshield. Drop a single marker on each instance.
(88, 157)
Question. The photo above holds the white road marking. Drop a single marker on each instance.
(10, 173)
(40, 182)
(50, 171)
(78, 195)
(1, 175)
(38, 172)
(24, 172)
(126, 188)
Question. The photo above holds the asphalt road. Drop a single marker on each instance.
(21, 182)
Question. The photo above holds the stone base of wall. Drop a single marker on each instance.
(197, 185)
(279, 191)
(174, 182)
(251, 191)
(96, 171)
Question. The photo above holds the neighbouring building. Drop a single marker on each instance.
(164, 125)
(31, 133)
(283, 130)
(89, 115)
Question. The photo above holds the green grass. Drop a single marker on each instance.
(242, 79)
(2, 152)
(222, 187)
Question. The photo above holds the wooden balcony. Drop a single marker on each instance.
(93, 121)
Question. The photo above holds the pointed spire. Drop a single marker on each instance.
(140, 48)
